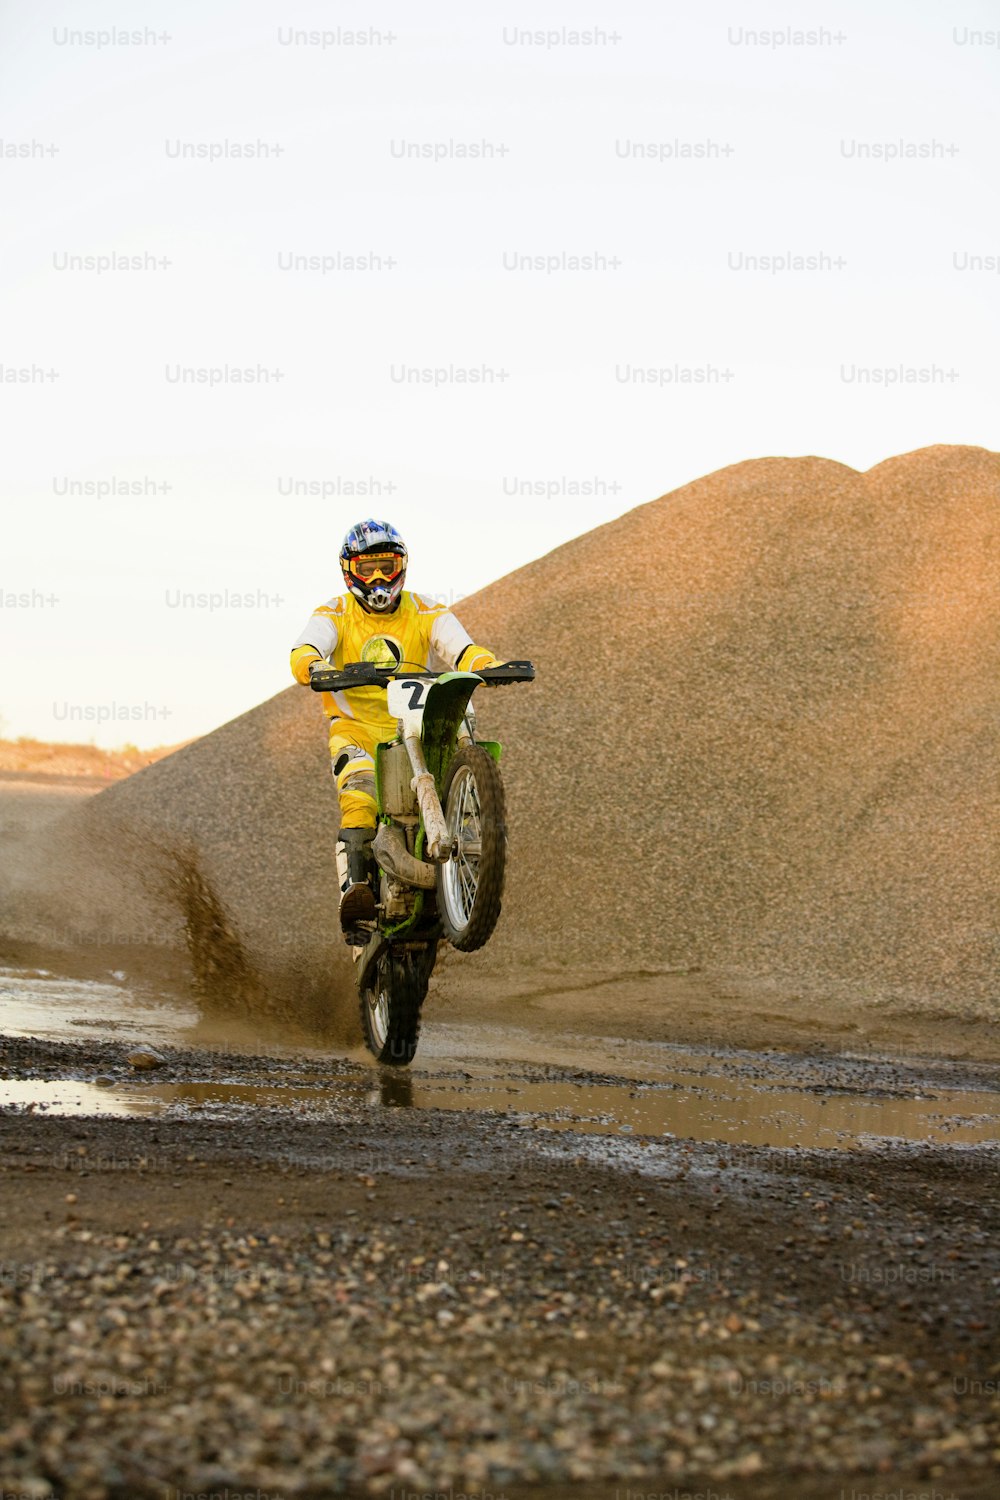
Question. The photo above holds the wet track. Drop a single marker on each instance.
(563, 1265)
(595, 1085)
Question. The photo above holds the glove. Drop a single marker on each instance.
(479, 657)
(304, 658)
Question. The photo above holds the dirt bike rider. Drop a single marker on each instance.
(377, 621)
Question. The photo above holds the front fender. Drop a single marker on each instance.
(444, 709)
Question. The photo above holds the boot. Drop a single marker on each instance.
(357, 899)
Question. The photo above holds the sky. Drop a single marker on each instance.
(497, 274)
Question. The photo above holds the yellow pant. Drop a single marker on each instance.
(352, 752)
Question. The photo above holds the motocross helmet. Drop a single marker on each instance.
(373, 561)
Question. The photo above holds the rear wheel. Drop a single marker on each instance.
(470, 884)
(391, 1001)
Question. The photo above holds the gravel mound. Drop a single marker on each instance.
(763, 738)
(777, 754)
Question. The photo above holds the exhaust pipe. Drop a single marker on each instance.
(395, 859)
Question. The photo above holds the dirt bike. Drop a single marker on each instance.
(441, 845)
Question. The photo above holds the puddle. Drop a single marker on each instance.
(658, 1091)
(729, 1111)
(67, 1096)
(36, 1003)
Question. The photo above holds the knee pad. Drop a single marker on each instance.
(358, 808)
(346, 755)
(354, 775)
(359, 781)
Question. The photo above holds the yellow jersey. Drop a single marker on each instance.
(419, 634)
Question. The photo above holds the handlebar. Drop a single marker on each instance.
(356, 674)
(508, 671)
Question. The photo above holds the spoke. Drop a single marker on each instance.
(379, 1004)
(461, 874)
(380, 1017)
(464, 891)
(468, 888)
(462, 804)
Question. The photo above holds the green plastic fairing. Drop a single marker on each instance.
(447, 701)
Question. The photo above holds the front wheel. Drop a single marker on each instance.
(470, 884)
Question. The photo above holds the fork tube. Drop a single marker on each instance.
(438, 847)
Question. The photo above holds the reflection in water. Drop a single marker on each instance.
(395, 1089)
(69, 1097)
(694, 1105)
(674, 1093)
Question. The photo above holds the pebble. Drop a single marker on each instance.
(144, 1058)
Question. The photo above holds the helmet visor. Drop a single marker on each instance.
(385, 565)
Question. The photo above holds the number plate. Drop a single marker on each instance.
(405, 695)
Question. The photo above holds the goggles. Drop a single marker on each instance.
(384, 565)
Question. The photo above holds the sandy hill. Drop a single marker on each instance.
(763, 737)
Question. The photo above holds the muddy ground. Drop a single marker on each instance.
(570, 1251)
(290, 1275)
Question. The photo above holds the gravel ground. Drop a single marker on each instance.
(398, 1302)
